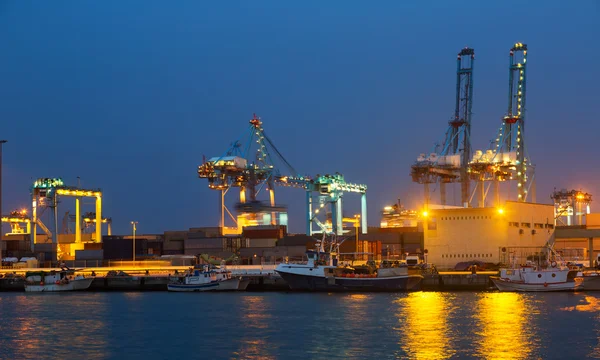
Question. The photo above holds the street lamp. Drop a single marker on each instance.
(356, 225)
(133, 225)
(1, 143)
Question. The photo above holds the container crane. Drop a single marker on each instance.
(570, 205)
(506, 159)
(17, 219)
(45, 193)
(251, 170)
(329, 190)
(267, 169)
(451, 163)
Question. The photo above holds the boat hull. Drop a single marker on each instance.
(226, 285)
(331, 284)
(243, 284)
(507, 285)
(73, 285)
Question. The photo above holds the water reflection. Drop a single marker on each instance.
(54, 324)
(593, 305)
(423, 322)
(358, 312)
(503, 319)
(256, 316)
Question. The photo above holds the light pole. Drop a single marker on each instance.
(356, 225)
(1, 143)
(133, 224)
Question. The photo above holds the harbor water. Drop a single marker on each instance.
(286, 325)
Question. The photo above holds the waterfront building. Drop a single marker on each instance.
(486, 234)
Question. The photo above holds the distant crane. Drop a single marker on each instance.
(16, 219)
(451, 163)
(262, 166)
(329, 190)
(253, 169)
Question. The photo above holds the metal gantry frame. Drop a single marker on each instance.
(45, 193)
(16, 219)
(507, 157)
(252, 170)
(264, 170)
(90, 223)
(572, 205)
(451, 163)
(328, 191)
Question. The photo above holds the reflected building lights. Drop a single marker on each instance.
(503, 318)
(255, 320)
(423, 323)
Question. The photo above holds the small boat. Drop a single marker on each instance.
(53, 281)
(244, 282)
(205, 279)
(551, 273)
(533, 278)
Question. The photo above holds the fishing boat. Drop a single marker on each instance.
(552, 274)
(316, 275)
(534, 278)
(205, 278)
(54, 280)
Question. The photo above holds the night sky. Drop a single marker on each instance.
(129, 95)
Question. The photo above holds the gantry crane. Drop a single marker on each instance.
(251, 170)
(570, 205)
(16, 219)
(329, 190)
(264, 170)
(507, 157)
(45, 193)
(451, 163)
(90, 223)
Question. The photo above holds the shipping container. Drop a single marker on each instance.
(89, 254)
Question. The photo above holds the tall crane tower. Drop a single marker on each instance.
(507, 157)
(451, 163)
(251, 170)
(512, 136)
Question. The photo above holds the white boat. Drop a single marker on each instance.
(205, 279)
(533, 278)
(550, 274)
(53, 281)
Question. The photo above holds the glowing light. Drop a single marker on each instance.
(425, 334)
(425, 213)
(500, 211)
(502, 317)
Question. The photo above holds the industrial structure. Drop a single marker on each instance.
(485, 235)
(252, 170)
(451, 163)
(570, 206)
(396, 216)
(507, 157)
(17, 219)
(328, 191)
(45, 194)
(261, 167)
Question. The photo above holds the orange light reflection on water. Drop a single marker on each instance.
(593, 305)
(423, 323)
(502, 318)
(255, 320)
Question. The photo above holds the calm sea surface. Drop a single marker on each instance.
(279, 325)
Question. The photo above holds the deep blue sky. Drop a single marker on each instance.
(130, 95)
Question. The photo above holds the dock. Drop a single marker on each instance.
(262, 278)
